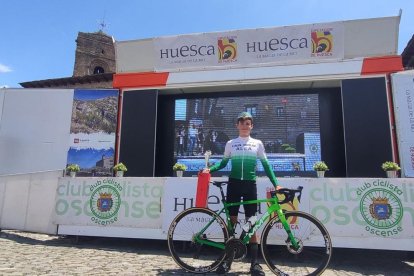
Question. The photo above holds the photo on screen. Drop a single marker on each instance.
(288, 126)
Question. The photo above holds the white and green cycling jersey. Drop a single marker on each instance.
(243, 153)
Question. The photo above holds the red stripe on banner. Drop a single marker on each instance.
(381, 65)
(147, 79)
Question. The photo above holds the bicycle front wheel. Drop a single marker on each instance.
(195, 250)
(314, 251)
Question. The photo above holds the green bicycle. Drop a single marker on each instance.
(292, 242)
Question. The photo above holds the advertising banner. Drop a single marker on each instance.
(92, 132)
(125, 202)
(247, 47)
(365, 208)
(403, 97)
(358, 212)
(369, 213)
(182, 194)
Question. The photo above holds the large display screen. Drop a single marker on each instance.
(288, 126)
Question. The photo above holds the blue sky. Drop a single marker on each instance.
(38, 36)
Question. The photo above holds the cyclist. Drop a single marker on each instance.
(243, 153)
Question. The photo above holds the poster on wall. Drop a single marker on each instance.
(92, 131)
(403, 96)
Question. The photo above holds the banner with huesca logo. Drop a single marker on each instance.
(304, 43)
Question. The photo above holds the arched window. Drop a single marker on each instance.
(98, 70)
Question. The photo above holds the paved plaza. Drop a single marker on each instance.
(23, 253)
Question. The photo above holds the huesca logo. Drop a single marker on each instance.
(322, 42)
(227, 47)
(289, 206)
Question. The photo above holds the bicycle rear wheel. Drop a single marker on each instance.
(186, 251)
(315, 247)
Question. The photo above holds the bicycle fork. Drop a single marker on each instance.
(286, 226)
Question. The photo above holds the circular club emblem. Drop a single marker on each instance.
(381, 208)
(105, 202)
(314, 148)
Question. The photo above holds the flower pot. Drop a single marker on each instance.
(119, 174)
(391, 174)
(179, 173)
(72, 174)
(320, 174)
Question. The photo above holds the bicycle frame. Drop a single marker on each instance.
(273, 208)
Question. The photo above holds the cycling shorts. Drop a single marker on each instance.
(242, 189)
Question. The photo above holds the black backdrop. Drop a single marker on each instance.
(137, 135)
(366, 126)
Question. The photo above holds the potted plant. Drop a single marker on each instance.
(320, 167)
(179, 169)
(119, 169)
(390, 168)
(72, 169)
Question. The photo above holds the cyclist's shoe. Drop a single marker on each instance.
(223, 268)
(256, 270)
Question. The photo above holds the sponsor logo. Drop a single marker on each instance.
(277, 44)
(227, 49)
(381, 209)
(78, 140)
(322, 42)
(105, 201)
(185, 51)
(314, 148)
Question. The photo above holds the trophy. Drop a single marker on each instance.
(207, 155)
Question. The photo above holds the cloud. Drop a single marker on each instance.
(4, 68)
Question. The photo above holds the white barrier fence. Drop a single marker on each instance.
(358, 212)
(27, 201)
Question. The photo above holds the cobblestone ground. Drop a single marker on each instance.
(23, 253)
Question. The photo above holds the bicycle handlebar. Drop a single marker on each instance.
(289, 194)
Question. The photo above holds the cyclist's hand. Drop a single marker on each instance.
(278, 187)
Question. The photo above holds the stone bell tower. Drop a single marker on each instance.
(95, 54)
